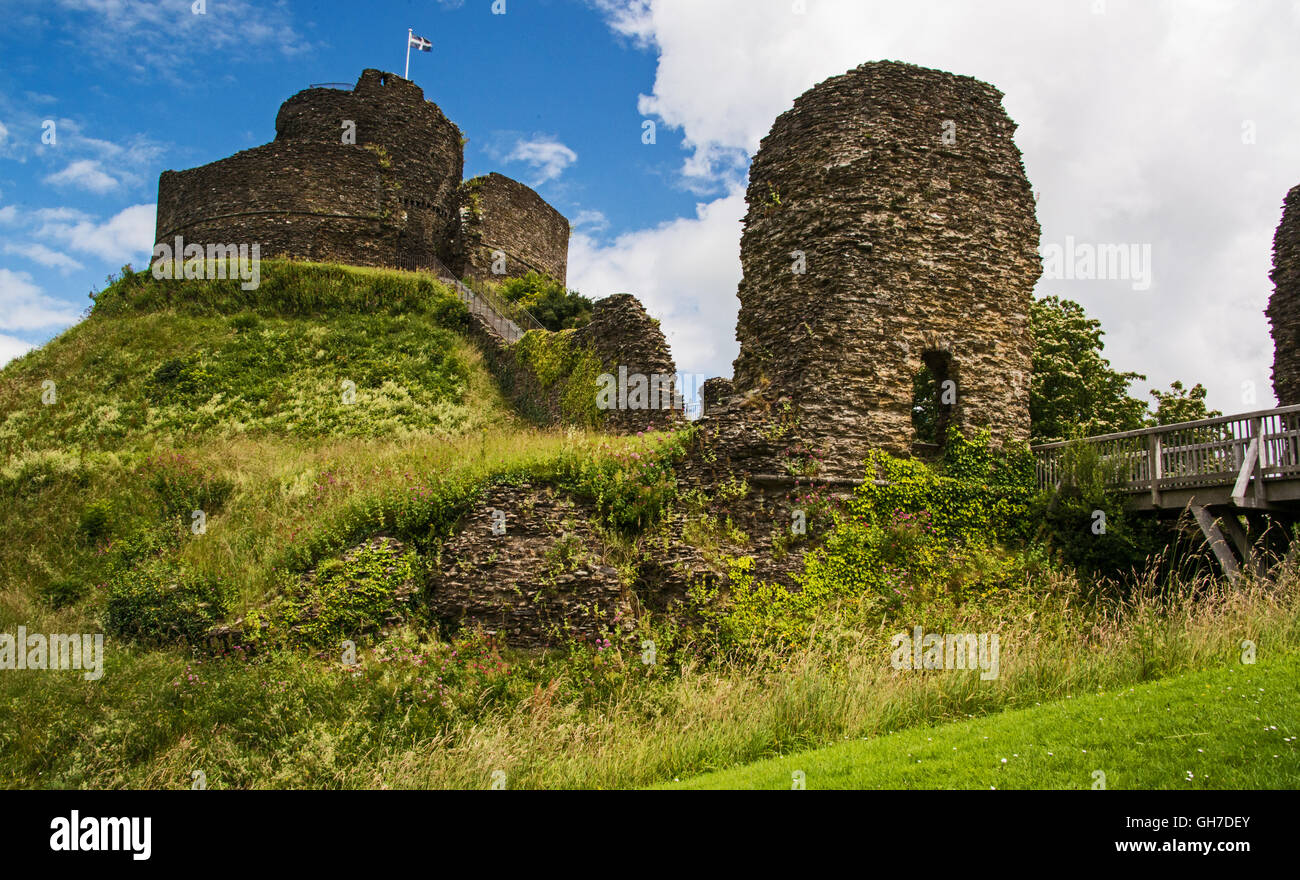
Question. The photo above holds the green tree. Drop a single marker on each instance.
(1180, 404)
(1074, 391)
(548, 301)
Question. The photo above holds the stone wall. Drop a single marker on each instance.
(714, 392)
(542, 582)
(502, 215)
(304, 200)
(1284, 305)
(621, 334)
(421, 148)
(518, 383)
(631, 344)
(890, 225)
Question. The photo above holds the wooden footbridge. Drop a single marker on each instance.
(1238, 476)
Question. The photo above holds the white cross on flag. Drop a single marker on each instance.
(420, 43)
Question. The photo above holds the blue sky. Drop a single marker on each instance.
(546, 93)
(1168, 124)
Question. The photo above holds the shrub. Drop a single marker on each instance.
(63, 592)
(346, 598)
(547, 301)
(244, 322)
(631, 487)
(973, 495)
(160, 601)
(1071, 529)
(178, 379)
(95, 522)
(912, 535)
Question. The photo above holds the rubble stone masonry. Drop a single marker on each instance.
(502, 217)
(890, 226)
(1284, 304)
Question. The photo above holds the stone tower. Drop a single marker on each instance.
(1284, 305)
(890, 227)
(506, 226)
(369, 176)
(419, 151)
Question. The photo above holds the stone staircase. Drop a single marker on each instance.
(506, 321)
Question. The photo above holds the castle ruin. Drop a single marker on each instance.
(890, 230)
(1284, 305)
(368, 177)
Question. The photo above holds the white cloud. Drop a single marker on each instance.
(4, 133)
(1130, 123)
(24, 306)
(12, 347)
(546, 155)
(166, 34)
(85, 174)
(125, 236)
(60, 215)
(8, 214)
(39, 253)
(589, 219)
(684, 272)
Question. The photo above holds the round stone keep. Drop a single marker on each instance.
(890, 227)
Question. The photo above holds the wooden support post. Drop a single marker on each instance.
(1240, 538)
(1257, 428)
(1247, 470)
(1155, 449)
(1218, 544)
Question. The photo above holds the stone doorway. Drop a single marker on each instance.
(934, 401)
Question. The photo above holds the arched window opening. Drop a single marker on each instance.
(934, 399)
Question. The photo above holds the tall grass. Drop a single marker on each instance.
(705, 719)
(604, 720)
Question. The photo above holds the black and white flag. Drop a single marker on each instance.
(420, 43)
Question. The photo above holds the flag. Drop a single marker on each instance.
(420, 43)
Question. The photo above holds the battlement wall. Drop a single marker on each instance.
(500, 215)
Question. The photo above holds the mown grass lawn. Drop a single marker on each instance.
(1234, 727)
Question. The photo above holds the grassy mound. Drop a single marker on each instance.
(191, 447)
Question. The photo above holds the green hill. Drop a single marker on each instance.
(193, 453)
(327, 406)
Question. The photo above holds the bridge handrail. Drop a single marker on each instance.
(1220, 451)
(1165, 429)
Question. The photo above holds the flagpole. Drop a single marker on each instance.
(406, 74)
